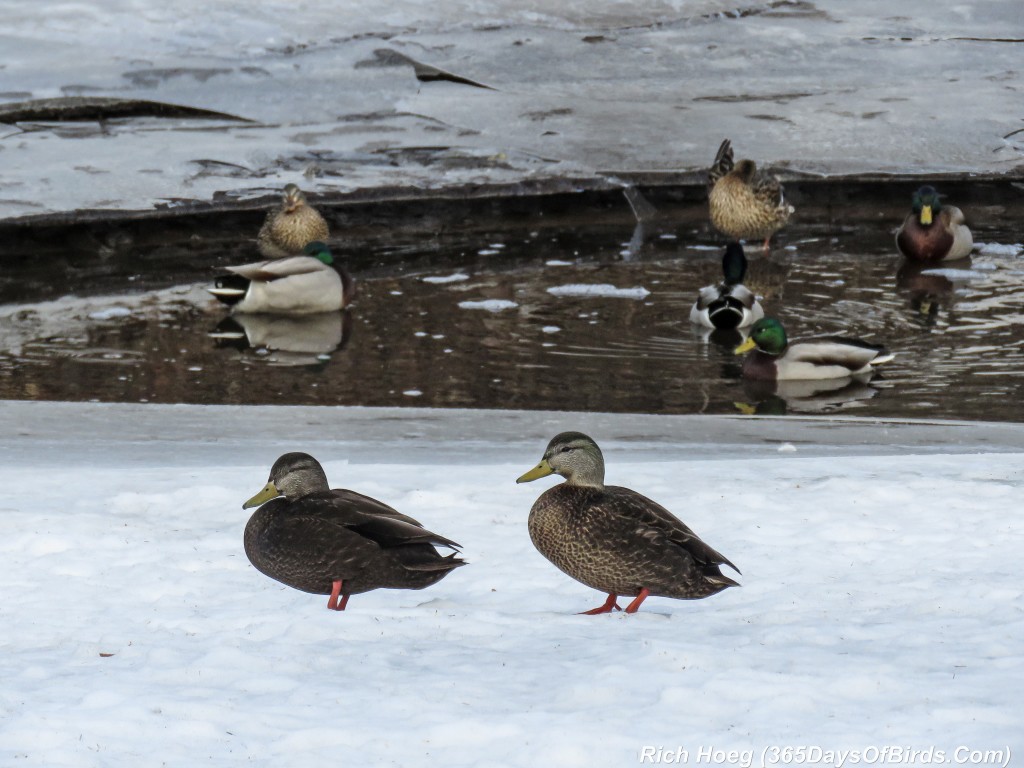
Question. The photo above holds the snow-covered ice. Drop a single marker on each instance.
(582, 91)
(882, 598)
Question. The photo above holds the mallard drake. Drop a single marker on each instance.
(745, 204)
(731, 304)
(337, 542)
(933, 231)
(829, 357)
(288, 230)
(297, 285)
(613, 539)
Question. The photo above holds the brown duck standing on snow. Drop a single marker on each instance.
(290, 228)
(337, 542)
(612, 538)
(745, 204)
(933, 231)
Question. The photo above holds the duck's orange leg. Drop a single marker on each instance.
(635, 605)
(609, 606)
(333, 603)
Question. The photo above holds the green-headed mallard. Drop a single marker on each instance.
(287, 230)
(829, 357)
(613, 539)
(933, 231)
(745, 204)
(337, 542)
(297, 285)
(731, 304)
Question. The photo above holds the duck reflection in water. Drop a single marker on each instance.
(777, 398)
(286, 340)
(928, 292)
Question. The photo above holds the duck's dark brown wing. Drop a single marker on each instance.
(357, 501)
(365, 516)
(652, 521)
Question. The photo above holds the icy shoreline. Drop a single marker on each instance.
(881, 600)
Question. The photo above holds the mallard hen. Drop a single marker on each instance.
(613, 539)
(287, 230)
(745, 204)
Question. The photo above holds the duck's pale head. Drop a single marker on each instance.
(293, 475)
(293, 199)
(574, 456)
(767, 335)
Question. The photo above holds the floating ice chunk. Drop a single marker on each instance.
(110, 313)
(603, 290)
(551, 329)
(999, 249)
(491, 305)
(787, 448)
(557, 263)
(453, 278)
(412, 393)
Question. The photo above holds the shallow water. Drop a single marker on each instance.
(469, 320)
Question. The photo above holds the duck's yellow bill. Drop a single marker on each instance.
(541, 470)
(745, 347)
(269, 492)
(926, 214)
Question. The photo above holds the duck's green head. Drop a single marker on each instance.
(574, 456)
(926, 204)
(319, 250)
(293, 475)
(767, 335)
(734, 264)
(293, 199)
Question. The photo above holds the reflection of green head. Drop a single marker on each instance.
(769, 336)
(926, 204)
(734, 264)
(319, 250)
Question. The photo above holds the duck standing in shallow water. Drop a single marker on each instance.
(297, 285)
(731, 304)
(772, 358)
(290, 228)
(933, 231)
(613, 539)
(337, 542)
(745, 204)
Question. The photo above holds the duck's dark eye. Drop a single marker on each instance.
(565, 448)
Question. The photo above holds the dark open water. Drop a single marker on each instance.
(958, 335)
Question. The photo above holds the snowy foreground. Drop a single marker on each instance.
(882, 599)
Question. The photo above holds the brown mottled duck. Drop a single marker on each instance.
(337, 542)
(290, 228)
(933, 231)
(613, 539)
(745, 204)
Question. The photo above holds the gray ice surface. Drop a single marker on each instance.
(581, 90)
(72, 434)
